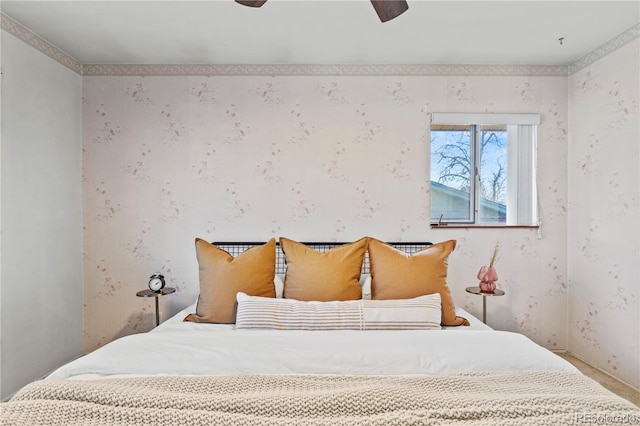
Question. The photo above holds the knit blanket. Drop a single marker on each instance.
(506, 398)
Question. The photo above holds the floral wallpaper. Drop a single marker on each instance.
(170, 158)
(604, 231)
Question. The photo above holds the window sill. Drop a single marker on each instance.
(465, 226)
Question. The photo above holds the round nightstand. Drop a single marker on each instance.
(157, 295)
(484, 294)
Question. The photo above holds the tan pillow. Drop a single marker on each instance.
(222, 277)
(394, 275)
(315, 276)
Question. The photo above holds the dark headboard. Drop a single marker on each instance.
(235, 248)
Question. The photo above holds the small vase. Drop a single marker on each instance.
(488, 277)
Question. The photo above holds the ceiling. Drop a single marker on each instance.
(325, 31)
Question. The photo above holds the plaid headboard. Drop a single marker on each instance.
(235, 248)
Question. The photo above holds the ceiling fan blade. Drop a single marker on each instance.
(252, 3)
(389, 9)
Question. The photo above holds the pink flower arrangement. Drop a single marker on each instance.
(487, 274)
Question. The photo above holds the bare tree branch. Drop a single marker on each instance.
(458, 168)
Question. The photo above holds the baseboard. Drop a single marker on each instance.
(579, 358)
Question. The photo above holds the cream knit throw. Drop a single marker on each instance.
(514, 398)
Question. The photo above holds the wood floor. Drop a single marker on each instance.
(609, 382)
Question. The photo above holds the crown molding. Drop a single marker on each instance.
(23, 33)
(322, 70)
(18, 30)
(602, 51)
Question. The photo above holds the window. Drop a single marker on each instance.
(483, 169)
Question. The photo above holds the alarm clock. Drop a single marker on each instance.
(156, 282)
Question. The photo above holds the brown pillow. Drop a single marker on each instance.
(323, 277)
(222, 277)
(394, 275)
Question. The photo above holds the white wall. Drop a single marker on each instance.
(41, 293)
(604, 211)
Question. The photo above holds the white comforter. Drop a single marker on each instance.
(178, 348)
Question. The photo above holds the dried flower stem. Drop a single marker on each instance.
(494, 257)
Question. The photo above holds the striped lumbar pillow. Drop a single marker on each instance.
(419, 313)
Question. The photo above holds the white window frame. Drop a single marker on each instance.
(522, 199)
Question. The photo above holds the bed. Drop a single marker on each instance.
(190, 372)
